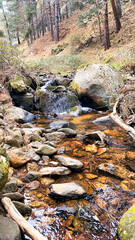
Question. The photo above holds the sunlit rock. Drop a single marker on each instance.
(54, 171)
(69, 162)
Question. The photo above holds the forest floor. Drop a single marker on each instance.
(121, 53)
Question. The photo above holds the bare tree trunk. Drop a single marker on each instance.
(107, 44)
(47, 20)
(18, 38)
(117, 20)
(7, 26)
(99, 22)
(51, 20)
(119, 10)
(59, 12)
(66, 11)
(56, 21)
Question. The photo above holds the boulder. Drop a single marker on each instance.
(18, 86)
(25, 100)
(45, 149)
(4, 166)
(18, 114)
(54, 171)
(56, 137)
(118, 171)
(105, 120)
(11, 186)
(97, 85)
(18, 157)
(9, 230)
(14, 138)
(66, 190)
(69, 162)
(126, 227)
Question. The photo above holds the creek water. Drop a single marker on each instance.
(95, 216)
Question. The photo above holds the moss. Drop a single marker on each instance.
(126, 228)
(4, 166)
(28, 81)
(42, 96)
(73, 109)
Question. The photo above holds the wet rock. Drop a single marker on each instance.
(4, 166)
(9, 230)
(116, 170)
(15, 196)
(95, 136)
(106, 120)
(130, 160)
(59, 124)
(53, 164)
(66, 190)
(65, 211)
(56, 137)
(94, 83)
(126, 227)
(54, 171)
(32, 166)
(18, 114)
(33, 185)
(22, 208)
(91, 148)
(18, 157)
(128, 185)
(18, 86)
(25, 100)
(59, 89)
(45, 181)
(31, 176)
(11, 186)
(68, 131)
(69, 162)
(45, 149)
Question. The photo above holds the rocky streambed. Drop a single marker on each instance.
(71, 176)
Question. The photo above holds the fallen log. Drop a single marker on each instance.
(26, 227)
(115, 117)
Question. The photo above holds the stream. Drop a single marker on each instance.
(96, 215)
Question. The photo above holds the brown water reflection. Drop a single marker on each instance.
(107, 196)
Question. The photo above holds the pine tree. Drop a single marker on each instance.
(107, 44)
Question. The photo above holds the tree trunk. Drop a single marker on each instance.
(23, 19)
(51, 20)
(66, 11)
(56, 21)
(7, 26)
(99, 22)
(117, 20)
(59, 12)
(107, 44)
(119, 10)
(18, 39)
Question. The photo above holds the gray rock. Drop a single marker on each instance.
(9, 230)
(32, 175)
(69, 162)
(59, 88)
(10, 186)
(45, 149)
(31, 131)
(15, 196)
(25, 100)
(69, 190)
(54, 171)
(18, 114)
(68, 131)
(22, 208)
(106, 120)
(97, 85)
(14, 138)
(59, 124)
(56, 137)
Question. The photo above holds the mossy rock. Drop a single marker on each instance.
(126, 228)
(4, 165)
(18, 86)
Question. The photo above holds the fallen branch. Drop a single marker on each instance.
(26, 227)
(114, 116)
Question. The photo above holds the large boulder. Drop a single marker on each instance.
(18, 114)
(97, 85)
(4, 165)
(9, 230)
(18, 157)
(25, 100)
(54, 103)
(126, 227)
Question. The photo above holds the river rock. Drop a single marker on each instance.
(18, 86)
(22, 208)
(97, 85)
(106, 120)
(18, 114)
(59, 124)
(32, 175)
(68, 131)
(9, 230)
(1, 135)
(45, 149)
(45, 181)
(4, 166)
(32, 155)
(25, 100)
(116, 170)
(11, 186)
(54, 171)
(56, 137)
(69, 162)
(68, 190)
(31, 131)
(95, 136)
(18, 157)
(15, 196)
(130, 160)
(126, 227)
(14, 138)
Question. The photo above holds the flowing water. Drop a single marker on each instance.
(95, 216)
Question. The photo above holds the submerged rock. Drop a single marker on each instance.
(32, 175)
(9, 230)
(97, 85)
(126, 227)
(54, 171)
(22, 208)
(68, 190)
(69, 162)
(106, 120)
(116, 170)
(59, 124)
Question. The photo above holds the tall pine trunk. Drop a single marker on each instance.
(117, 20)
(51, 20)
(107, 44)
(24, 23)
(7, 26)
(119, 10)
(56, 21)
